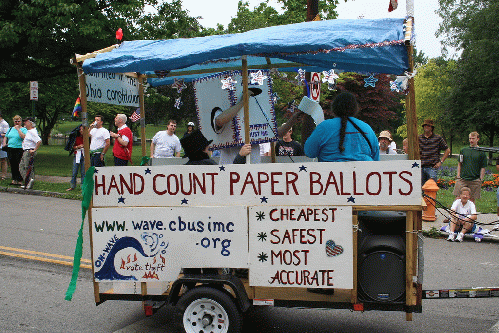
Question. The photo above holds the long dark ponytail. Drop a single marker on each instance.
(344, 106)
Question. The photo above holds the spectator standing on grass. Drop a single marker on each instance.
(430, 145)
(78, 161)
(470, 168)
(123, 141)
(4, 128)
(165, 143)
(14, 142)
(100, 142)
(31, 143)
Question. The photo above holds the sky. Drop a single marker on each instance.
(426, 20)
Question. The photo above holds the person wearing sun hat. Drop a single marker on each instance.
(384, 140)
(196, 149)
(430, 145)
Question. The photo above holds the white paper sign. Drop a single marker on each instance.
(112, 88)
(301, 246)
(327, 183)
(211, 100)
(153, 244)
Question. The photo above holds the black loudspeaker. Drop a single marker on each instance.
(381, 256)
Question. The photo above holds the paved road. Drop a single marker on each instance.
(31, 293)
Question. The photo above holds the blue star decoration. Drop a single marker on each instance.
(415, 165)
(148, 171)
(262, 236)
(262, 257)
(96, 170)
(121, 200)
(351, 199)
(184, 201)
(222, 168)
(370, 81)
(303, 168)
(263, 199)
(260, 216)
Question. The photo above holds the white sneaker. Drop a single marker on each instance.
(459, 237)
(30, 184)
(451, 237)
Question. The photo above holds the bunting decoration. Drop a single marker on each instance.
(179, 85)
(228, 83)
(257, 78)
(370, 81)
(300, 77)
(178, 103)
(330, 77)
(77, 107)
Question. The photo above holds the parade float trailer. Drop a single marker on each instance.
(216, 240)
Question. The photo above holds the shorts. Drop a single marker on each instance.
(474, 185)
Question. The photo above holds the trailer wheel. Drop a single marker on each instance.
(208, 310)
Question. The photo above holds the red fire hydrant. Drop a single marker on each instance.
(430, 188)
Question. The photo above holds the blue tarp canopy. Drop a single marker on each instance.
(362, 46)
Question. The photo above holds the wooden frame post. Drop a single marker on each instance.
(141, 79)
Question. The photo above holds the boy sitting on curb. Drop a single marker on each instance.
(463, 215)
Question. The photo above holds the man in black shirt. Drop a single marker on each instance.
(288, 147)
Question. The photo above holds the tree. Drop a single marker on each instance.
(471, 27)
(38, 38)
(292, 11)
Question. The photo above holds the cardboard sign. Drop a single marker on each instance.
(211, 100)
(301, 246)
(327, 183)
(112, 88)
(153, 244)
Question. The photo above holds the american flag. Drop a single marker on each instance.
(135, 115)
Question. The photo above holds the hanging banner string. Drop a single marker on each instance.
(87, 190)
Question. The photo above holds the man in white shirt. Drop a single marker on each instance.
(4, 127)
(100, 142)
(166, 143)
(31, 143)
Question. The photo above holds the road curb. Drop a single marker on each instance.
(33, 192)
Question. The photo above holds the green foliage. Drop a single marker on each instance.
(292, 11)
(471, 27)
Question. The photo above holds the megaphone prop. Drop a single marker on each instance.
(312, 108)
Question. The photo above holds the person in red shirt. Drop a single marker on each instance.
(123, 141)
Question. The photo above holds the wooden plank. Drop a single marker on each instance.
(355, 229)
(302, 294)
(80, 58)
(409, 263)
(387, 208)
(231, 68)
(142, 115)
(246, 101)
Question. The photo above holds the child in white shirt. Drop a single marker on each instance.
(463, 214)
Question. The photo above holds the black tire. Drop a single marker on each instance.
(208, 310)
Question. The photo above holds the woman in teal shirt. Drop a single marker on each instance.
(15, 151)
(343, 138)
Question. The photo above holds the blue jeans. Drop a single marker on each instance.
(80, 165)
(95, 160)
(427, 173)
